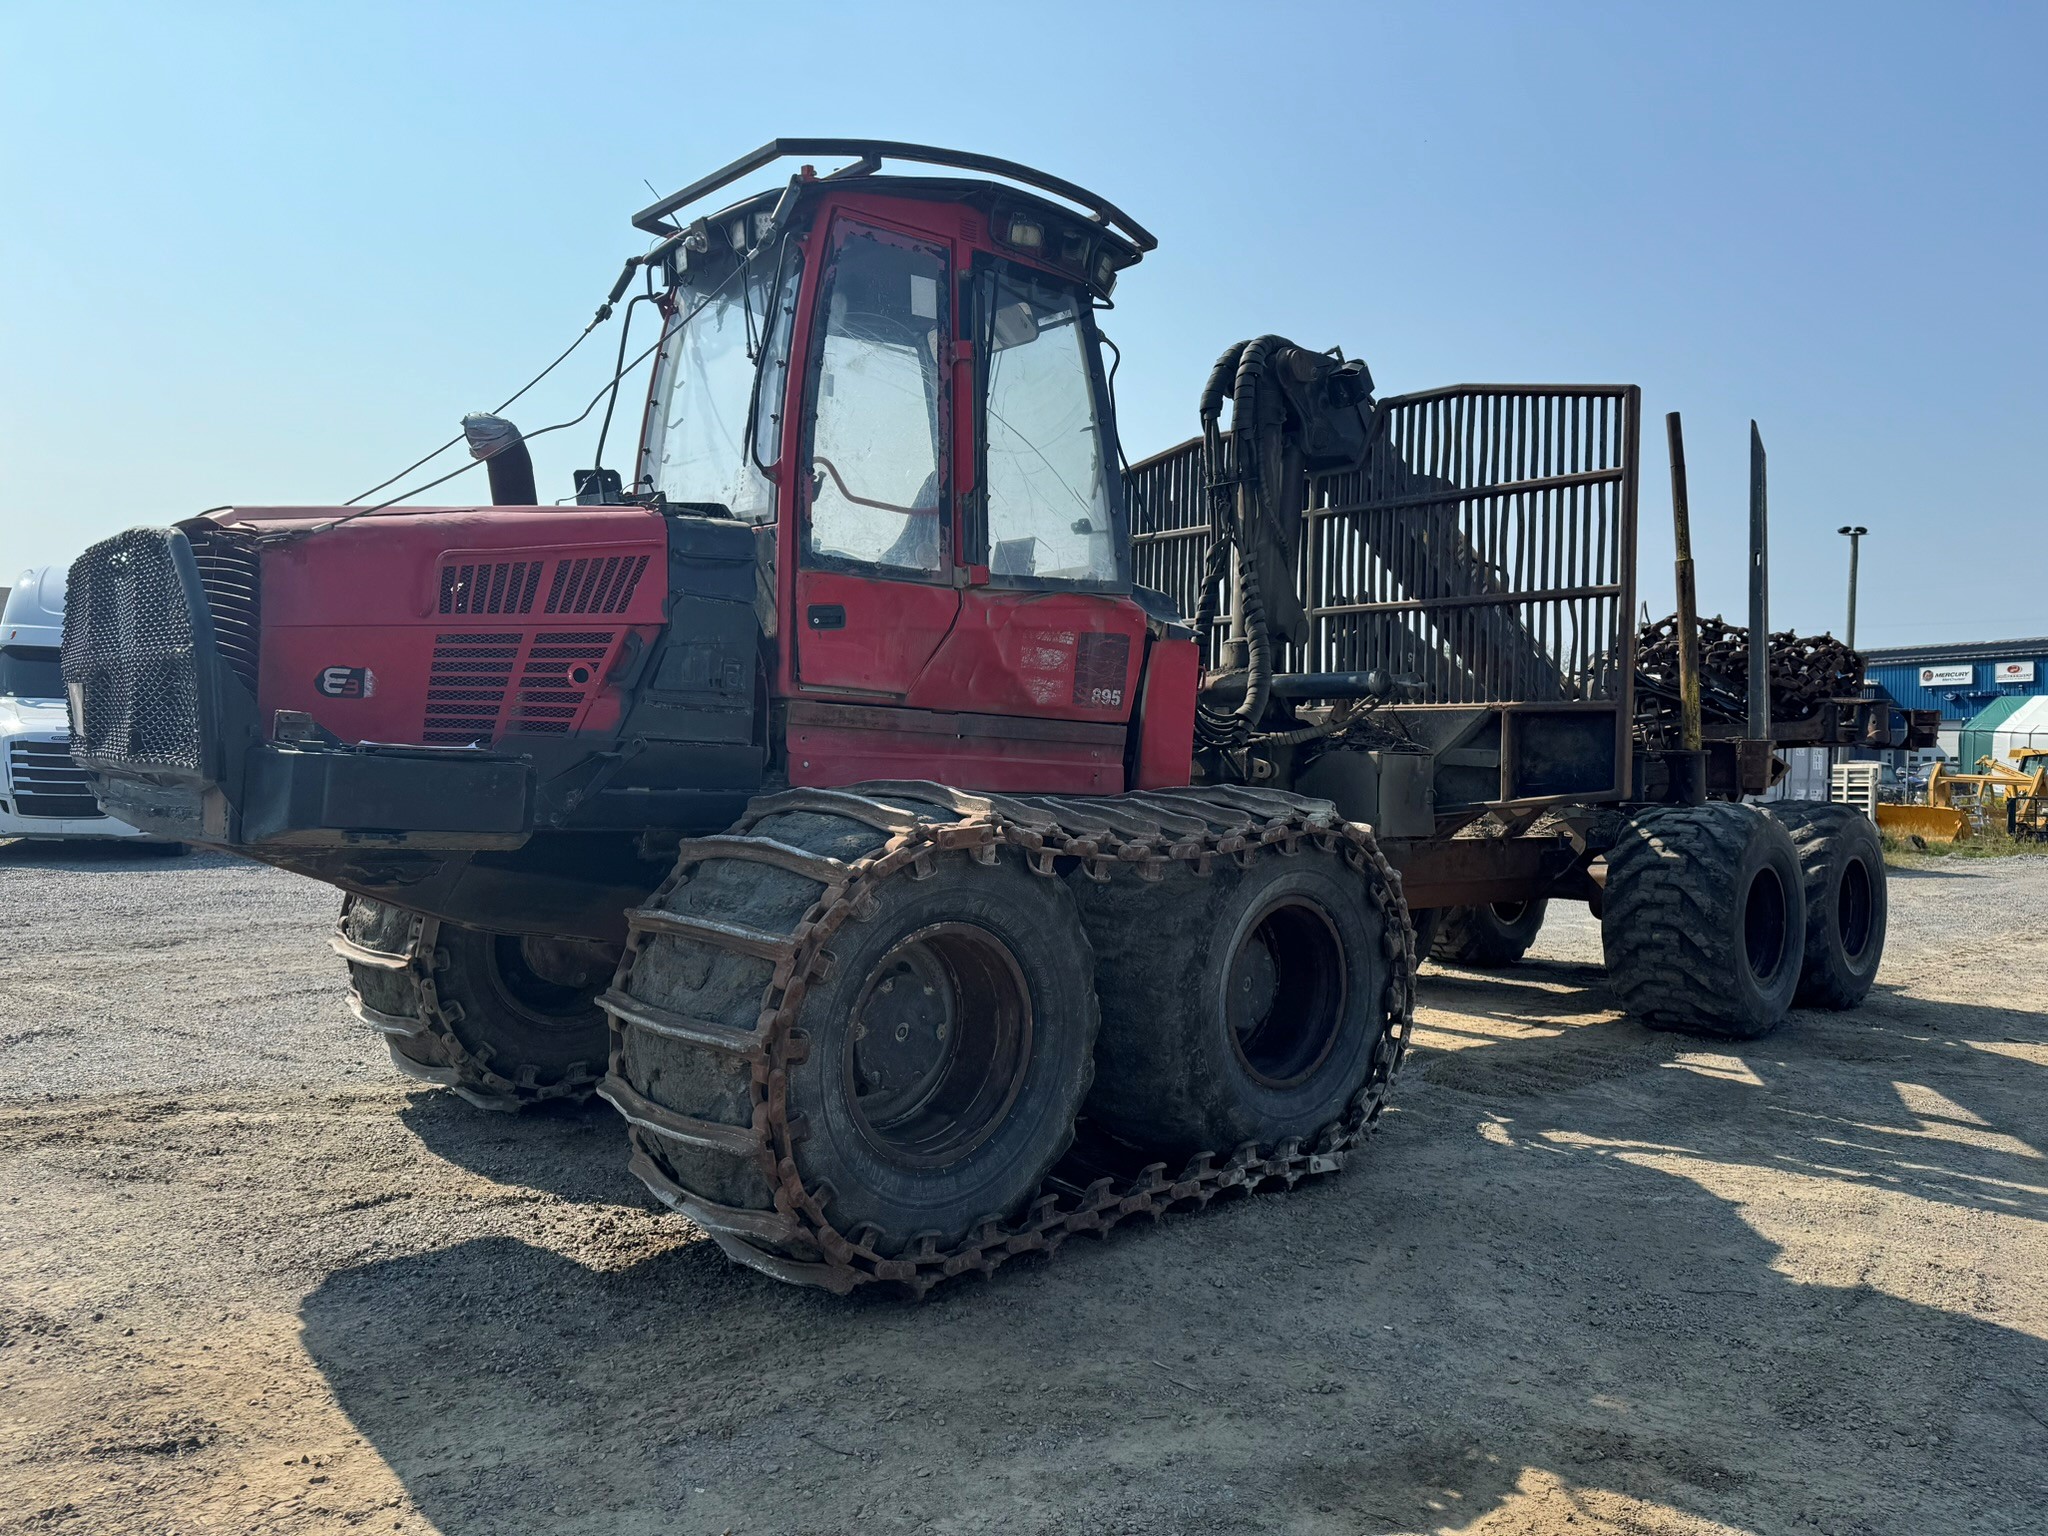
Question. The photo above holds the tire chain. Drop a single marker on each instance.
(1142, 834)
(468, 1073)
(1806, 672)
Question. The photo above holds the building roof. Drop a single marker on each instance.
(1977, 650)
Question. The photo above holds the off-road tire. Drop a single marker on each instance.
(1245, 1006)
(1009, 943)
(1704, 920)
(1842, 863)
(1423, 922)
(1487, 937)
(469, 1011)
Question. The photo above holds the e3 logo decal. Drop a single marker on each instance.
(345, 682)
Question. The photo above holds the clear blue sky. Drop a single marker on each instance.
(271, 253)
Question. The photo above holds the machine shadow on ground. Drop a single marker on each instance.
(1541, 1293)
(114, 855)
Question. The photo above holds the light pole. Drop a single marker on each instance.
(1855, 543)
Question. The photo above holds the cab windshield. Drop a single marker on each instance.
(31, 672)
(709, 430)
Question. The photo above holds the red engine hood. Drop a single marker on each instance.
(447, 625)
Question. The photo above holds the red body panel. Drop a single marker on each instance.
(886, 631)
(832, 745)
(1166, 714)
(446, 626)
(1048, 654)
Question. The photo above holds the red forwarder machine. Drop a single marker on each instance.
(934, 836)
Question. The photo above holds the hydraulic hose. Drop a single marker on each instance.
(1239, 501)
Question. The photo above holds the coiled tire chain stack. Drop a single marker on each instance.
(407, 972)
(708, 995)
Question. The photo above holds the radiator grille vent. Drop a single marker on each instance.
(483, 684)
(601, 584)
(130, 655)
(228, 572)
(558, 674)
(506, 586)
(466, 687)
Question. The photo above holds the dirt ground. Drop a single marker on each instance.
(1588, 1278)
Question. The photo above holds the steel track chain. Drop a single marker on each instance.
(469, 1072)
(1135, 835)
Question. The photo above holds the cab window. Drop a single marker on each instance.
(1047, 501)
(878, 410)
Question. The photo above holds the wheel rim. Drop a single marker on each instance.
(550, 982)
(1283, 994)
(1855, 909)
(938, 1046)
(1765, 934)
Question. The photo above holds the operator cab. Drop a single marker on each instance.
(900, 382)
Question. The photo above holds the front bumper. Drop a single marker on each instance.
(13, 826)
(281, 796)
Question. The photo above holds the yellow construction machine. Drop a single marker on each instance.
(1959, 803)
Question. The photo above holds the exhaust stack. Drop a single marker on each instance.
(497, 442)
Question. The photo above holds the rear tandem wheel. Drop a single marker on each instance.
(1842, 864)
(1704, 919)
(1246, 1005)
(1487, 936)
(500, 1020)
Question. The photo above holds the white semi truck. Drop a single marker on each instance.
(43, 794)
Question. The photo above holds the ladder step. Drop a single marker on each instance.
(733, 936)
(711, 1135)
(766, 850)
(688, 1028)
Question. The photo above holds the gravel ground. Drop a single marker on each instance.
(1589, 1278)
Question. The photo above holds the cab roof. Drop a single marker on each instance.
(656, 218)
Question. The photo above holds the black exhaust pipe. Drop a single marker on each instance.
(498, 443)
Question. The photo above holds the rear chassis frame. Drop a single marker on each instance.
(1484, 558)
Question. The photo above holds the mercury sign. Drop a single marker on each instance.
(1953, 677)
(2015, 671)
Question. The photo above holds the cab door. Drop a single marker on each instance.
(1047, 627)
(875, 584)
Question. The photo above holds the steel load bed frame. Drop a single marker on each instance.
(1485, 553)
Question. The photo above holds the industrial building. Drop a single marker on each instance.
(1959, 680)
(1993, 695)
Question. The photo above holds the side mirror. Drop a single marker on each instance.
(1014, 326)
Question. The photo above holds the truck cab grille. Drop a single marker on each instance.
(46, 782)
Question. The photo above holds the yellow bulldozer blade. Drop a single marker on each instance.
(1934, 823)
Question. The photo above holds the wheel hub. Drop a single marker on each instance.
(1855, 910)
(938, 1045)
(1765, 933)
(903, 1036)
(1284, 993)
(549, 981)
